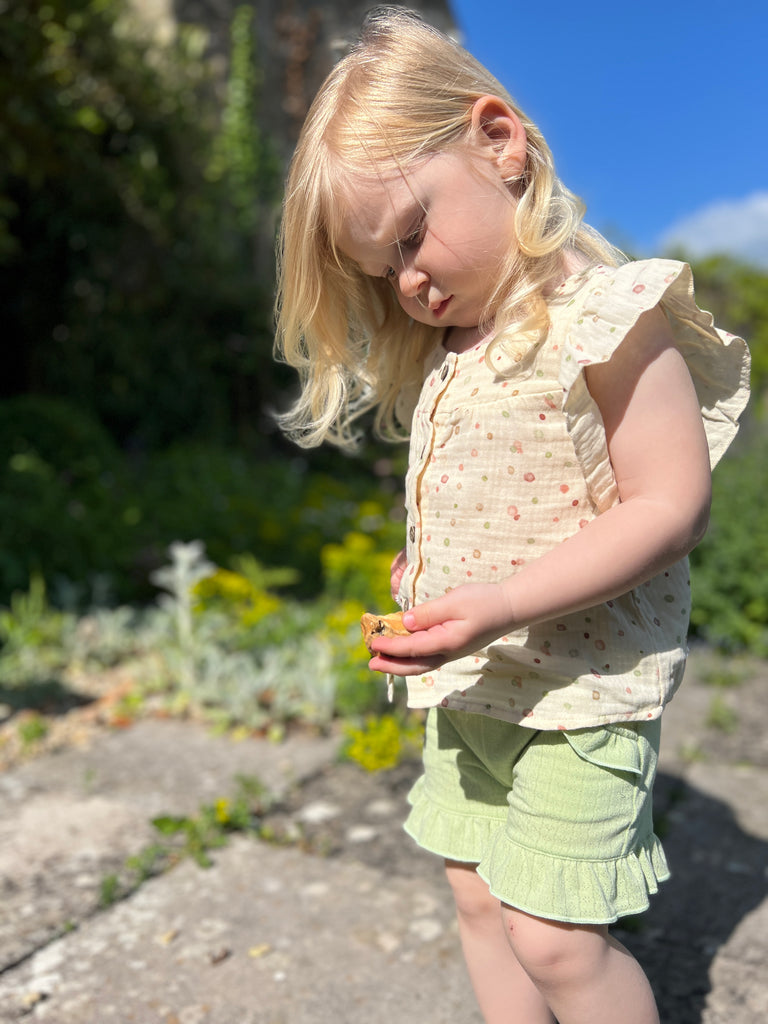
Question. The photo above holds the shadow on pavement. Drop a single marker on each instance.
(718, 878)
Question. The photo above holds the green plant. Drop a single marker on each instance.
(109, 890)
(356, 570)
(244, 596)
(252, 658)
(151, 860)
(214, 655)
(196, 835)
(30, 621)
(692, 753)
(382, 742)
(107, 636)
(66, 512)
(736, 295)
(729, 574)
(127, 266)
(187, 567)
(32, 729)
(34, 638)
(145, 864)
(93, 521)
(634, 924)
(241, 157)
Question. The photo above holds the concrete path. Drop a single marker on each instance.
(348, 922)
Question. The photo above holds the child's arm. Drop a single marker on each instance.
(660, 459)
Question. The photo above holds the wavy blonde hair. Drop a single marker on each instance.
(403, 93)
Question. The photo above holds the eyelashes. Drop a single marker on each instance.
(416, 237)
(411, 241)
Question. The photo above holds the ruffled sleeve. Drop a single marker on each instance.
(599, 316)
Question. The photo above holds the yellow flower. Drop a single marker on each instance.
(344, 616)
(378, 745)
(232, 591)
(222, 810)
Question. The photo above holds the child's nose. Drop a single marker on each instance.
(411, 281)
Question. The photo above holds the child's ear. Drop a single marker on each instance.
(496, 125)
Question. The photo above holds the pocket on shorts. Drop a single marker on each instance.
(610, 746)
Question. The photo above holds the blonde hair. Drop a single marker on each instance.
(404, 92)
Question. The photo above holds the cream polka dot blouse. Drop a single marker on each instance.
(506, 462)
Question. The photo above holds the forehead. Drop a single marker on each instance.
(374, 210)
(370, 214)
(369, 203)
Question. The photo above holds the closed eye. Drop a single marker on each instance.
(416, 237)
(411, 241)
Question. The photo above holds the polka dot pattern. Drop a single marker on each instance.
(506, 462)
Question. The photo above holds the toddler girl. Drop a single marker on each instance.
(564, 407)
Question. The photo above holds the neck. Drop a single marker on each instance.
(462, 339)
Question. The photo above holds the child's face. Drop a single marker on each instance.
(438, 232)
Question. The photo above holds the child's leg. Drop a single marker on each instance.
(504, 990)
(559, 822)
(582, 972)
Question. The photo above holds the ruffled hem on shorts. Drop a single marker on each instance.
(454, 835)
(575, 891)
(571, 890)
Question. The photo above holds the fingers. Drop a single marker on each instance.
(438, 633)
(422, 651)
(457, 624)
(399, 561)
(405, 666)
(431, 613)
(420, 644)
(397, 569)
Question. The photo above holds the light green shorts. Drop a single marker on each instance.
(559, 823)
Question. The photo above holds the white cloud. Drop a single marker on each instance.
(737, 227)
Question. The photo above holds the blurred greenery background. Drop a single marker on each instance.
(148, 508)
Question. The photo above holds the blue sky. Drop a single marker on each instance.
(657, 112)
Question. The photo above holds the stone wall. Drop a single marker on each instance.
(297, 42)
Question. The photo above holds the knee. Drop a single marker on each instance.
(554, 953)
(473, 900)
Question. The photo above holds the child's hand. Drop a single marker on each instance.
(447, 628)
(396, 571)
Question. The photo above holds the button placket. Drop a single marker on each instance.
(445, 376)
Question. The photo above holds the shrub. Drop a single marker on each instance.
(77, 511)
(131, 201)
(730, 566)
(63, 500)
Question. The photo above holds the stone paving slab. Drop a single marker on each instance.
(70, 820)
(360, 929)
(270, 936)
